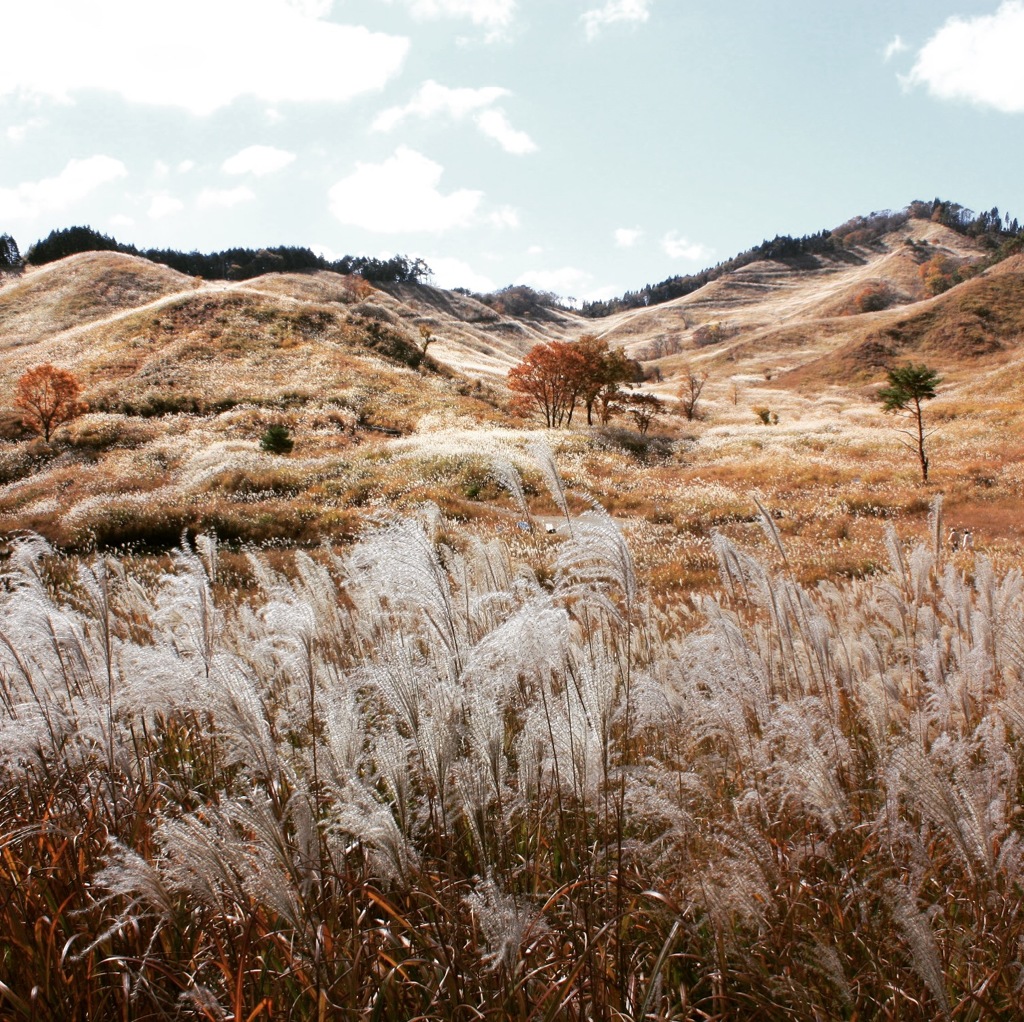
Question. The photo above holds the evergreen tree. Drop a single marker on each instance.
(10, 257)
(909, 385)
(277, 439)
(71, 240)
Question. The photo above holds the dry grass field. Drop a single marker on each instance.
(182, 377)
(445, 715)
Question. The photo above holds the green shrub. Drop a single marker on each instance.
(277, 440)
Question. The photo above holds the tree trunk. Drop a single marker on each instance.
(920, 441)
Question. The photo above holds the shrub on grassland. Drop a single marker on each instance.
(277, 439)
(99, 432)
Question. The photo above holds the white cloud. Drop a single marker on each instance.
(434, 100)
(277, 50)
(976, 59)
(185, 166)
(121, 220)
(573, 285)
(401, 194)
(164, 204)
(675, 246)
(627, 237)
(535, 250)
(16, 132)
(312, 8)
(494, 124)
(505, 217)
(896, 45)
(612, 12)
(330, 254)
(224, 198)
(76, 181)
(566, 281)
(449, 273)
(494, 15)
(258, 160)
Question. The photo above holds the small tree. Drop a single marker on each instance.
(276, 439)
(10, 257)
(644, 408)
(551, 376)
(47, 397)
(908, 387)
(690, 390)
(426, 337)
(608, 402)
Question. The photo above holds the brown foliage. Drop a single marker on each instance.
(604, 369)
(47, 397)
(552, 376)
(709, 333)
(939, 274)
(561, 374)
(872, 298)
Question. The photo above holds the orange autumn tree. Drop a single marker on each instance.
(47, 397)
(558, 375)
(551, 376)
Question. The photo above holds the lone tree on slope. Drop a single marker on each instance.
(908, 387)
(551, 376)
(690, 390)
(277, 439)
(47, 397)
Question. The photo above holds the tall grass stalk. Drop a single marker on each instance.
(414, 781)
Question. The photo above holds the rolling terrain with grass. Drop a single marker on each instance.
(441, 714)
(183, 376)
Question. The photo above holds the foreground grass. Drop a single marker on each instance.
(415, 781)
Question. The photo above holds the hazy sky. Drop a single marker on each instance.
(581, 146)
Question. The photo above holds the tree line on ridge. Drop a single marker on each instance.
(229, 264)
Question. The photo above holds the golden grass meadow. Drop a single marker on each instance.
(447, 715)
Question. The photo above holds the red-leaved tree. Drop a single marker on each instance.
(551, 376)
(47, 397)
(559, 375)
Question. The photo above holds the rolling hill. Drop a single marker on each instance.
(182, 376)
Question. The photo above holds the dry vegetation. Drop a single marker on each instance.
(183, 377)
(745, 743)
(418, 781)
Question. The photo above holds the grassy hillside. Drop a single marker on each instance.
(445, 711)
(78, 291)
(183, 378)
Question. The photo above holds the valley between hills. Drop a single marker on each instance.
(181, 377)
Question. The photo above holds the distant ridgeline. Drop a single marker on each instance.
(1000, 235)
(1003, 236)
(231, 264)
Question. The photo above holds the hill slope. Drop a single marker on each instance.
(183, 377)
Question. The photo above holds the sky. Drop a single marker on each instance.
(584, 147)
